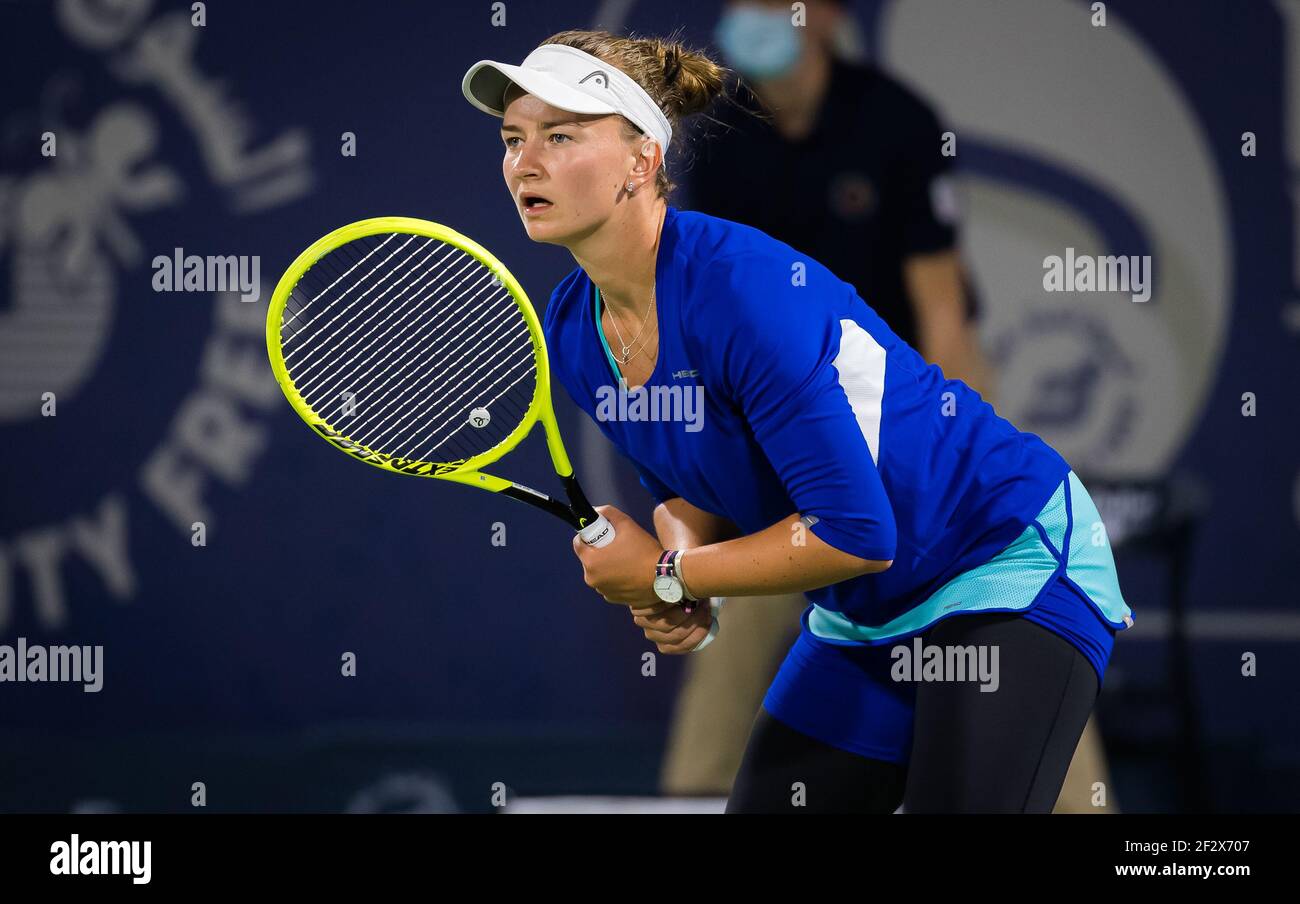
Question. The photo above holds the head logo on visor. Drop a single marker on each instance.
(569, 79)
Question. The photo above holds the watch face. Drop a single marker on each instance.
(668, 589)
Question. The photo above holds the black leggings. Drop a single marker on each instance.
(972, 751)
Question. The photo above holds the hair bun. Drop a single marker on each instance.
(672, 63)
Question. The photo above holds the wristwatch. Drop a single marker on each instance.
(668, 581)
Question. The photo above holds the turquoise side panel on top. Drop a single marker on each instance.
(1013, 579)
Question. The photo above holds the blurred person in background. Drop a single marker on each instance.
(830, 155)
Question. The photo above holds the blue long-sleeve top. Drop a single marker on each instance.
(809, 403)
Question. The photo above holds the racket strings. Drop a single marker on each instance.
(459, 301)
(507, 314)
(515, 409)
(379, 270)
(387, 327)
(474, 392)
(308, 303)
(318, 339)
(438, 384)
(409, 420)
(423, 339)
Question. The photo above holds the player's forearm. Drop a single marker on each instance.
(779, 559)
(680, 525)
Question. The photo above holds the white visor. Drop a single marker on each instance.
(572, 80)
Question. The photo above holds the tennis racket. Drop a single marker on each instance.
(412, 348)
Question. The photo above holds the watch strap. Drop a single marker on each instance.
(667, 567)
(677, 572)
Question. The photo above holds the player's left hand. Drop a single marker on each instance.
(671, 628)
(624, 571)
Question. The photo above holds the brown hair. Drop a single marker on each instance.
(682, 81)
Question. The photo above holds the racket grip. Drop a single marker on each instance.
(598, 533)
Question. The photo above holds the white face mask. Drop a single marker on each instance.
(759, 43)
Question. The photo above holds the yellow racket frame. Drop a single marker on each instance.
(466, 471)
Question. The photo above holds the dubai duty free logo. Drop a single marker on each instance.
(75, 263)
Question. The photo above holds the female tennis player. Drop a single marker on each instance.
(963, 598)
